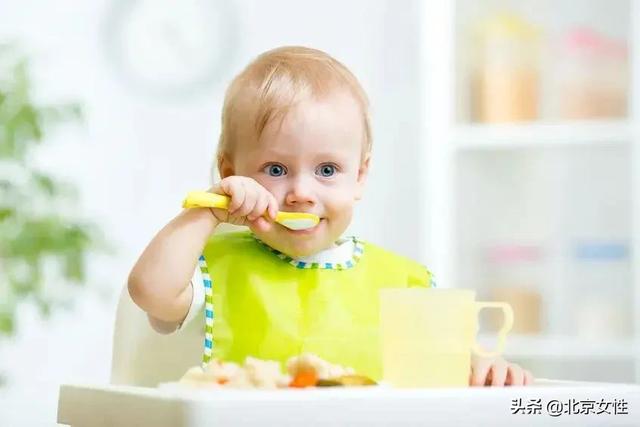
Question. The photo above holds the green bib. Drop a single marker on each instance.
(261, 303)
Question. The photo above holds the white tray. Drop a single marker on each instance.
(168, 406)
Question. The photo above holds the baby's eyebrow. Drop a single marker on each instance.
(335, 154)
(319, 156)
(271, 152)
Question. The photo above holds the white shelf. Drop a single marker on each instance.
(541, 134)
(549, 145)
(564, 347)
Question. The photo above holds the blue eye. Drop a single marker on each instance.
(326, 171)
(274, 170)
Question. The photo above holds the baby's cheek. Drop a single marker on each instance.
(340, 200)
(339, 208)
(340, 217)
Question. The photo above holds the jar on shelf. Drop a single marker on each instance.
(592, 76)
(600, 283)
(514, 275)
(505, 75)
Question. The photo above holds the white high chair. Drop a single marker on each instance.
(144, 357)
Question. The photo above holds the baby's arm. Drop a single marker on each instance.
(159, 283)
(160, 280)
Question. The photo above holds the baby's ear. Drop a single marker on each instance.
(363, 173)
(225, 167)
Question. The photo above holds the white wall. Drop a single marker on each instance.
(136, 156)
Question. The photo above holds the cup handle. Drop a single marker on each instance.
(502, 334)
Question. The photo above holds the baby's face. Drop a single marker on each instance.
(311, 161)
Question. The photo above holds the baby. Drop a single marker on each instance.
(295, 137)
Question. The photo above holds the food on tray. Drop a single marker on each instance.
(255, 373)
(346, 380)
(306, 370)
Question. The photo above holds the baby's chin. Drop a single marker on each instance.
(297, 246)
(302, 251)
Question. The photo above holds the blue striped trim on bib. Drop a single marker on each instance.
(358, 251)
(208, 311)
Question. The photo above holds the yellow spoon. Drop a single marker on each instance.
(291, 220)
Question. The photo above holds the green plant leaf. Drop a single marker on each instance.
(32, 242)
(6, 213)
(74, 267)
(45, 183)
(7, 324)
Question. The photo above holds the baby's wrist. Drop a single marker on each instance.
(214, 218)
(203, 216)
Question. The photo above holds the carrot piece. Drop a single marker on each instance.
(304, 379)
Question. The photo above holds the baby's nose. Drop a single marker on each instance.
(300, 194)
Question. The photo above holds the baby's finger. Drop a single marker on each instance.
(528, 377)
(226, 186)
(515, 375)
(263, 192)
(250, 200)
(479, 374)
(498, 374)
(259, 208)
(261, 224)
(273, 207)
(217, 188)
(237, 192)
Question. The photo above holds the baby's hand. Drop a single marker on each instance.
(249, 203)
(497, 372)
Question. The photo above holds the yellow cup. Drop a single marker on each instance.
(427, 335)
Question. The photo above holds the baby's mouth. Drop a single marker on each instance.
(306, 230)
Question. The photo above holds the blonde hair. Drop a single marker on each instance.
(274, 82)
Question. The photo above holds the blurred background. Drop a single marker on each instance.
(505, 137)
